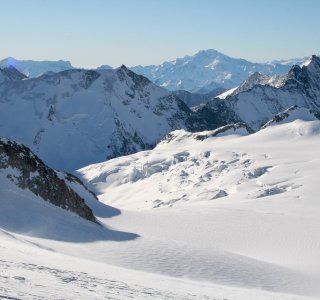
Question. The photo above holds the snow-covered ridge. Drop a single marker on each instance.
(202, 72)
(207, 70)
(258, 99)
(98, 115)
(77, 117)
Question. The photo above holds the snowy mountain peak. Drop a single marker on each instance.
(254, 79)
(11, 73)
(260, 98)
(313, 65)
(94, 115)
(137, 80)
(205, 71)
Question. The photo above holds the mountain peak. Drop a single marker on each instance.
(33, 68)
(208, 52)
(205, 68)
(313, 63)
(124, 67)
(12, 73)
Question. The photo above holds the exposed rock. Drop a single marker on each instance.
(260, 98)
(27, 171)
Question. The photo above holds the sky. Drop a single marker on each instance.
(91, 33)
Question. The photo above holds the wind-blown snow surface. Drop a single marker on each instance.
(227, 217)
(239, 210)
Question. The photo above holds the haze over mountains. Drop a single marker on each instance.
(33, 68)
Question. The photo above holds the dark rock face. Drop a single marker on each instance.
(202, 137)
(12, 74)
(41, 180)
(194, 100)
(216, 114)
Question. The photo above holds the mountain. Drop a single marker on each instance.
(77, 117)
(194, 100)
(205, 71)
(24, 176)
(201, 73)
(10, 74)
(32, 68)
(104, 67)
(260, 98)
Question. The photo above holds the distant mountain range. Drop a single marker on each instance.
(260, 98)
(201, 73)
(207, 70)
(77, 117)
(33, 68)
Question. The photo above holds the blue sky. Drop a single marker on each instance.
(95, 32)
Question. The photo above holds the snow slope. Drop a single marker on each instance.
(28, 271)
(207, 70)
(210, 215)
(77, 117)
(239, 210)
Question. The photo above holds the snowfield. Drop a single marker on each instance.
(232, 216)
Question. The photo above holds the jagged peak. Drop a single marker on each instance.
(137, 79)
(313, 64)
(256, 75)
(123, 67)
(255, 78)
(12, 73)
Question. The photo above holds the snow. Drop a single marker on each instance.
(227, 93)
(234, 216)
(235, 204)
(30, 272)
(207, 70)
(70, 123)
